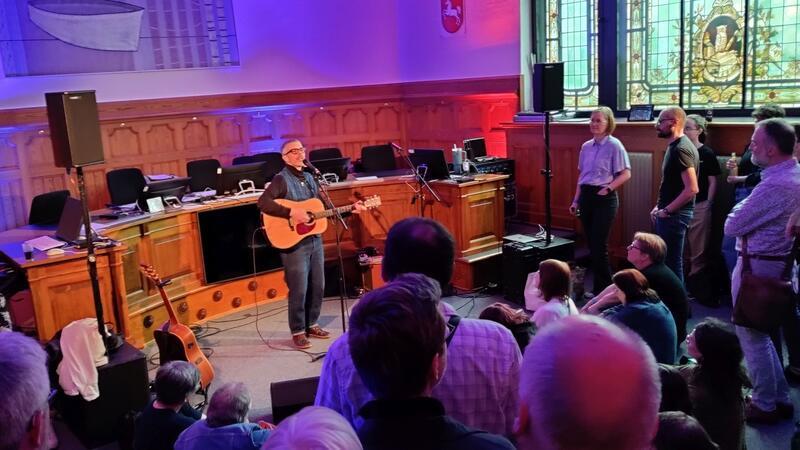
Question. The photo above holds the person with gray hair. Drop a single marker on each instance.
(226, 425)
(165, 418)
(587, 384)
(761, 218)
(24, 388)
(314, 427)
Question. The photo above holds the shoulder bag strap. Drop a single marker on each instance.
(745, 256)
(452, 325)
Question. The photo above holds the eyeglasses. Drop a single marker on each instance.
(660, 120)
(634, 246)
(295, 151)
(690, 129)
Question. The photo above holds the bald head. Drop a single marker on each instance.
(586, 383)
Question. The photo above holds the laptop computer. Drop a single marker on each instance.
(430, 163)
(68, 231)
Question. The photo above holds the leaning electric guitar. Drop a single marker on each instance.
(284, 233)
(175, 340)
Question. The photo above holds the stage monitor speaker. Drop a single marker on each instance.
(123, 385)
(520, 259)
(548, 87)
(289, 397)
(74, 128)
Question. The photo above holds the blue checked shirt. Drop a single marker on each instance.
(479, 387)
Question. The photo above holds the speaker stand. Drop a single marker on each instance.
(111, 342)
(548, 176)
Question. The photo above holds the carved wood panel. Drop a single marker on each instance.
(136, 137)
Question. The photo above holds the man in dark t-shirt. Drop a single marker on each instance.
(673, 212)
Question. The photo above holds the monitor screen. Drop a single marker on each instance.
(230, 177)
(172, 187)
(338, 166)
(429, 163)
(475, 148)
(228, 237)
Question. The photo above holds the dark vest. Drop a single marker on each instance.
(297, 191)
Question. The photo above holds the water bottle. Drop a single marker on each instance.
(457, 159)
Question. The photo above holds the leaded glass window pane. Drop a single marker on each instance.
(572, 38)
(773, 67)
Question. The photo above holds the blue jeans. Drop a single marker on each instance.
(763, 365)
(304, 272)
(673, 230)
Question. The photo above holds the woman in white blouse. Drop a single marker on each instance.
(554, 283)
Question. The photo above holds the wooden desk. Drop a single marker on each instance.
(60, 287)
(472, 211)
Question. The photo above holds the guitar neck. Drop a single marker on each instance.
(173, 319)
(332, 212)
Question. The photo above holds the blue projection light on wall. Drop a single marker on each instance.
(49, 37)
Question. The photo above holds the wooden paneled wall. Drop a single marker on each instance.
(637, 196)
(161, 136)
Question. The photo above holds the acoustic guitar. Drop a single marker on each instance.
(175, 340)
(284, 233)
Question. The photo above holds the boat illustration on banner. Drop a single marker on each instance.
(94, 24)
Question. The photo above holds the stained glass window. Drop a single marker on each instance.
(695, 53)
(572, 38)
(711, 44)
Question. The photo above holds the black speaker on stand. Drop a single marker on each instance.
(548, 95)
(75, 134)
(521, 258)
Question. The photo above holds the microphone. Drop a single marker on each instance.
(308, 167)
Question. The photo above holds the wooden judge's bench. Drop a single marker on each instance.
(171, 242)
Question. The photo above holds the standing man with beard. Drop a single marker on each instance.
(304, 263)
(675, 206)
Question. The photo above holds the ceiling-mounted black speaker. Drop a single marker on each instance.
(548, 87)
(74, 128)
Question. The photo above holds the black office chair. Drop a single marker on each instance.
(46, 208)
(125, 185)
(273, 159)
(324, 153)
(203, 174)
(376, 158)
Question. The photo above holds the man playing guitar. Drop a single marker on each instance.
(303, 263)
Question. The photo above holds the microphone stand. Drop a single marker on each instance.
(328, 203)
(421, 182)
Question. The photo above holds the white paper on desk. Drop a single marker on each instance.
(45, 243)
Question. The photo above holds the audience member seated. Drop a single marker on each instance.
(554, 284)
(586, 383)
(643, 312)
(314, 427)
(716, 381)
(646, 253)
(397, 342)
(514, 319)
(226, 426)
(24, 409)
(165, 418)
(680, 431)
(479, 388)
(674, 390)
